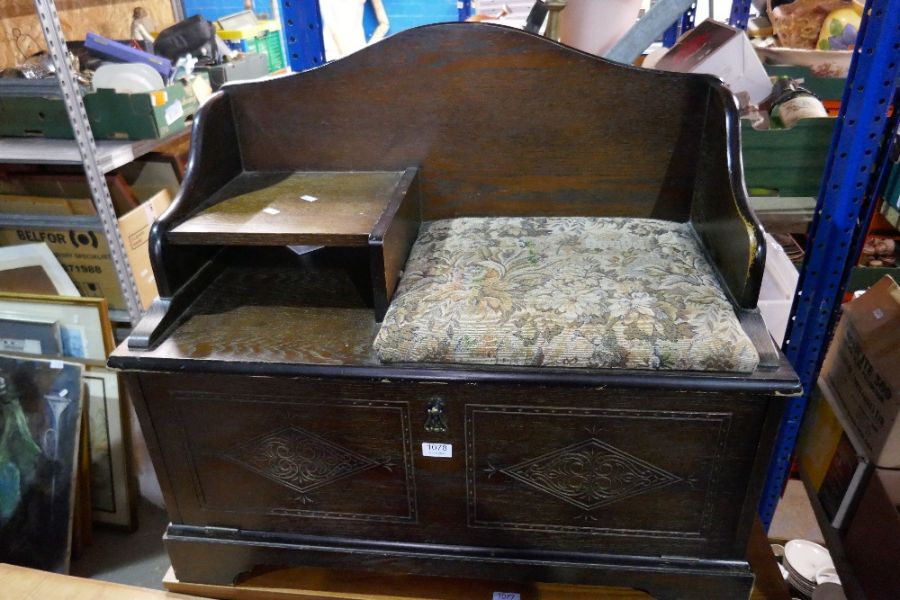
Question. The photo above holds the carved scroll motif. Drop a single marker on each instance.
(299, 459)
(590, 474)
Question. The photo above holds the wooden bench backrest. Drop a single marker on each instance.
(499, 122)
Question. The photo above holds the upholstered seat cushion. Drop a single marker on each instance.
(563, 292)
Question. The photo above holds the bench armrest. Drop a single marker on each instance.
(720, 212)
(213, 161)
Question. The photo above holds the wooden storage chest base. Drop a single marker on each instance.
(646, 487)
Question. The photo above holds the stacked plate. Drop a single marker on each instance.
(804, 560)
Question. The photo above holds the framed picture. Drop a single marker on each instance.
(33, 269)
(30, 336)
(40, 407)
(111, 488)
(84, 328)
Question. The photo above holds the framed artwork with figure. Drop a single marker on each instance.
(40, 414)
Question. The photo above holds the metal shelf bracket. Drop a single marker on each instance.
(56, 45)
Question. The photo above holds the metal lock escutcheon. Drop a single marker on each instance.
(435, 421)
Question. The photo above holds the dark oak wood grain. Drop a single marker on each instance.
(213, 161)
(499, 121)
(392, 238)
(275, 208)
(280, 439)
(546, 131)
(391, 509)
(720, 212)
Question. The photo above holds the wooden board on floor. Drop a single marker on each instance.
(322, 584)
(19, 583)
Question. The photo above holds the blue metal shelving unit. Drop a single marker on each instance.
(465, 9)
(686, 23)
(302, 24)
(740, 13)
(855, 169)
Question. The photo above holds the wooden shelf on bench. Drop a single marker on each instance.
(377, 212)
(294, 208)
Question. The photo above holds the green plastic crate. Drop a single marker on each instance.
(892, 189)
(786, 162)
(111, 115)
(270, 45)
(826, 88)
(263, 38)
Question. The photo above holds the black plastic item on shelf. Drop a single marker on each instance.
(194, 35)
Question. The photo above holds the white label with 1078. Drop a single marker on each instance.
(437, 450)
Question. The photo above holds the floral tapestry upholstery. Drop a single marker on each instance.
(563, 292)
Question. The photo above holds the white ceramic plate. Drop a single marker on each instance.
(827, 574)
(823, 63)
(128, 78)
(795, 575)
(806, 558)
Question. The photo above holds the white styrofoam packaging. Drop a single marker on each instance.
(717, 49)
(776, 294)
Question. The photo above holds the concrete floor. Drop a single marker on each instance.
(794, 517)
(137, 558)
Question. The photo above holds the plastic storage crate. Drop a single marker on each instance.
(140, 116)
(892, 188)
(786, 162)
(262, 38)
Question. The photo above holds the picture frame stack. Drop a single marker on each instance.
(64, 430)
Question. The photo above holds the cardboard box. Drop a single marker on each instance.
(80, 244)
(862, 371)
(82, 251)
(62, 194)
(135, 230)
(721, 50)
(830, 461)
(872, 542)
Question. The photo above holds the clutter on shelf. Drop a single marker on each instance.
(61, 215)
(819, 34)
(849, 450)
(143, 88)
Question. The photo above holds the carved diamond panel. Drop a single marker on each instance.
(298, 459)
(590, 474)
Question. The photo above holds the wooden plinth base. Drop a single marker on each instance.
(322, 584)
(328, 584)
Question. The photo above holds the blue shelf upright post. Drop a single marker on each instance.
(679, 27)
(740, 13)
(465, 9)
(302, 24)
(853, 173)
